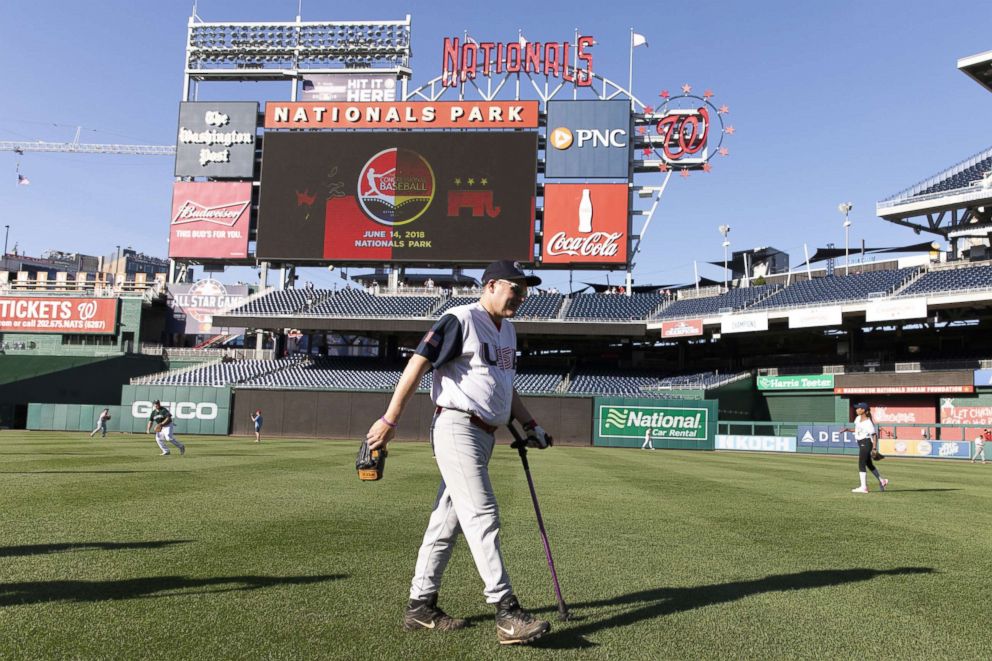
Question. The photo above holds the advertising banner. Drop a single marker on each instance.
(410, 197)
(756, 443)
(796, 382)
(896, 308)
(919, 448)
(957, 411)
(744, 323)
(813, 317)
(588, 139)
(349, 87)
(210, 219)
(200, 301)
(825, 437)
(216, 139)
(195, 409)
(673, 424)
(586, 224)
(69, 315)
(902, 390)
(682, 328)
(403, 115)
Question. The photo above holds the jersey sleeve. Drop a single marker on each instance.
(443, 342)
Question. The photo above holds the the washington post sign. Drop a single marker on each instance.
(675, 424)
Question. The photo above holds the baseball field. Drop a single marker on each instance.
(238, 551)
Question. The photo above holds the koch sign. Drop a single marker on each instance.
(588, 139)
(216, 139)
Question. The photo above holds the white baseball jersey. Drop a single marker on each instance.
(474, 362)
(863, 428)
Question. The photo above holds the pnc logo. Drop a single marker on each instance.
(141, 409)
(560, 138)
(563, 138)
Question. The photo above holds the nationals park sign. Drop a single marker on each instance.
(673, 424)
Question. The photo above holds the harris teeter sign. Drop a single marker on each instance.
(797, 382)
(674, 424)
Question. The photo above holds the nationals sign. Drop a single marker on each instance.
(20, 314)
(585, 224)
(210, 219)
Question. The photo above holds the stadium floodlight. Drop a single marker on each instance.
(845, 208)
(725, 230)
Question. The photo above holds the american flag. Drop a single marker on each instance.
(22, 180)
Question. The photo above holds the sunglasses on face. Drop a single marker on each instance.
(517, 289)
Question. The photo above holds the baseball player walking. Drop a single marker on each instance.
(162, 419)
(472, 349)
(101, 424)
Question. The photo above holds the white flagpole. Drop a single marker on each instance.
(630, 70)
(575, 64)
(695, 270)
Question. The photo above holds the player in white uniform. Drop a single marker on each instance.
(472, 349)
(867, 437)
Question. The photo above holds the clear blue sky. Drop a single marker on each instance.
(832, 102)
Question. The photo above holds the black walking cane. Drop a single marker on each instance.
(520, 443)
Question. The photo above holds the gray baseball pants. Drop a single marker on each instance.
(465, 503)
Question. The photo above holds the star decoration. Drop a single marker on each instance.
(664, 94)
(723, 110)
(685, 90)
(663, 167)
(458, 181)
(484, 181)
(708, 94)
(729, 130)
(647, 151)
(684, 173)
(707, 167)
(471, 181)
(642, 129)
(723, 151)
(648, 110)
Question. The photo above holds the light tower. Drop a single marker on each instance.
(725, 230)
(845, 208)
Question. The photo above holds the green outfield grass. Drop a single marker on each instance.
(245, 551)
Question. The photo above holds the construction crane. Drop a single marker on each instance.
(83, 148)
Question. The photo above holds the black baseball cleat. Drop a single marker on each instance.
(515, 626)
(424, 614)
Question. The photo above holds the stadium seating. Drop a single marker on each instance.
(615, 382)
(975, 277)
(282, 302)
(613, 307)
(957, 178)
(837, 288)
(222, 374)
(733, 300)
(359, 303)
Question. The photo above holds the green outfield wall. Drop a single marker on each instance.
(195, 409)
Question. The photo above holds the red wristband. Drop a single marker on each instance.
(392, 425)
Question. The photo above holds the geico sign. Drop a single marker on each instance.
(562, 138)
(179, 410)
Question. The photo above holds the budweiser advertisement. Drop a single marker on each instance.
(683, 328)
(426, 197)
(586, 224)
(210, 220)
(70, 315)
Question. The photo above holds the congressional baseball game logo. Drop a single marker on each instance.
(660, 421)
(396, 186)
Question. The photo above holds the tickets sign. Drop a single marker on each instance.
(69, 315)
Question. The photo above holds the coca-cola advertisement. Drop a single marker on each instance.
(210, 220)
(586, 224)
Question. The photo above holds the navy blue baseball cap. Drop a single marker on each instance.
(508, 270)
(861, 405)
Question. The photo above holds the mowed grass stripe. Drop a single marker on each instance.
(278, 551)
